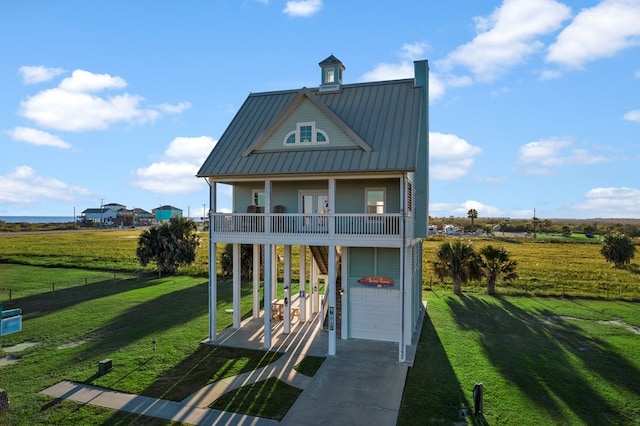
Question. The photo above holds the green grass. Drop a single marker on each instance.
(78, 326)
(270, 398)
(550, 268)
(309, 365)
(542, 361)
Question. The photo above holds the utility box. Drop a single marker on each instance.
(105, 366)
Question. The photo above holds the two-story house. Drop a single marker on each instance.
(340, 171)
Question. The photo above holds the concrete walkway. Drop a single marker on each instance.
(361, 385)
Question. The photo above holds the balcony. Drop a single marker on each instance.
(310, 229)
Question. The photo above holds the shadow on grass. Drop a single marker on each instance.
(149, 318)
(432, 391)
(50, 302)
(532, 352)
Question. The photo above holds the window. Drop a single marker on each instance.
(330, 76)
(306, 134)
(375, 200)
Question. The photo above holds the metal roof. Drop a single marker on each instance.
(385, 115)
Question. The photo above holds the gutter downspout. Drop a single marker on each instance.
(401, 348)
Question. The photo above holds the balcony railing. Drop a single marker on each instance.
(354, 226)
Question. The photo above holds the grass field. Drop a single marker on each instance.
(542, 359)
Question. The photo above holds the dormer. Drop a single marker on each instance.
(331, 74)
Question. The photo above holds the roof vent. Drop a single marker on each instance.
(331, 74)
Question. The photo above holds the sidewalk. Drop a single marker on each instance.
(362, 384)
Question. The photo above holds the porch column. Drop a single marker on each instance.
(267, 295)
(345, 293)
(237, 279)
(332, 300)
(302, 301)
(332, 203)
(274, 271)
(256, 281)
(313, 284)
(287, 289)
(213, 265)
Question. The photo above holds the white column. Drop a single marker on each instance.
(274, 271)
(345, 294)
(237, 280)
(314, 286)
(303, 283)
(256, 281)
(287, 289)
(332, 203)
(267, 295)
(332, 300)
(213, 265)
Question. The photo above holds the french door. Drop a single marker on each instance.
(314, 204)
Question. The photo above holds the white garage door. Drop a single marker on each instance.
(375, 314)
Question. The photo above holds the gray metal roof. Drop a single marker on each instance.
(385, 115)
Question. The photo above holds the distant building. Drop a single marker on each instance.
(163, 213)
(100, 215)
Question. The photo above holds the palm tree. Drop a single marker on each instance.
(473, 215)
(170, 244)
(496, 263)
(618, 249)
(458, 261)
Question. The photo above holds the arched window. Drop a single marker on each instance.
(305, 134)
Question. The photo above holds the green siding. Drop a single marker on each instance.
(308, 112)
(350, 194)
(365, 261)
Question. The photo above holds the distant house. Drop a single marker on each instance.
(163, 213)
(341, 171)
(115, 207)
(100, 215)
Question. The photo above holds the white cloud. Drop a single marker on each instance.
(555, 152)
(37, 137)
(74, 105)
(451, 157)
(598, 32)
(23, 187)
(174, 109)
(633, 116)
(176, 172)
(38, 74)
(405, 69)
(610, 202)
(302, 7)
(461, 209)
(85, 81)
(508, 36)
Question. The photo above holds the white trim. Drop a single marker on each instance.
(314, 135)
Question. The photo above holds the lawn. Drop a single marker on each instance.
(85, 321)
(541, 360)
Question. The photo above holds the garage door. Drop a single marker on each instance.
(374, 314)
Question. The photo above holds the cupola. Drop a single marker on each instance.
(331, 74)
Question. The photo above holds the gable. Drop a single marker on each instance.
(382, 118)
(287, 136)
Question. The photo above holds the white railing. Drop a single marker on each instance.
(381, 226)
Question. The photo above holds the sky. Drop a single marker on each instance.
(534, 104)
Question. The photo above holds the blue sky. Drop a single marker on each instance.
(534, 104)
